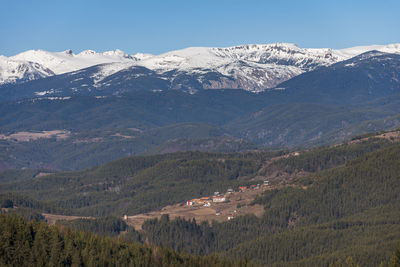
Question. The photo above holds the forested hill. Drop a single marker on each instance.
(135, 184)
(36, 244)
(93, 131)
(143, 183)
(348, 210)
(325, 204)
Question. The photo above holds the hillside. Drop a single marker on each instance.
(350, 209)
(126, 186)
(78, 150)
(323, 204)
(136, 184)
(36, 244)
(99, 130)
(359, 79)
(316, 219)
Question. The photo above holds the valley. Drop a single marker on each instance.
(200, 133)
(230, 123)
(238, 202)
(333, 192)
(274, 153)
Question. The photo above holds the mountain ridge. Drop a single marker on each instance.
(250, 67)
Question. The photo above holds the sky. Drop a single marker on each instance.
(155, 27)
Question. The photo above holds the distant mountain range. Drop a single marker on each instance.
(146, 104)
(250, 67)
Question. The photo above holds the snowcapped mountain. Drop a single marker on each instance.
(66, 61)
(250, 67)
(20, 70)
(34, 64)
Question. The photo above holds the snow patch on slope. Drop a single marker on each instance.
(106, 70)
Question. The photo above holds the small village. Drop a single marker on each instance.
(217, 207)
(218, 198)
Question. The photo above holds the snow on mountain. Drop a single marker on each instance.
(34, 64)
(357, 50)
(66, 61)
(251, 67)
(106, 70)
(19, 70)
(254, 67)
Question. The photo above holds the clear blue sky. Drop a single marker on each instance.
(159, 26)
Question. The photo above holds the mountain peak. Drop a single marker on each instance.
(369, 54)
(68, 52)
(117, 53)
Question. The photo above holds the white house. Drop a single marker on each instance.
(219, 199)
